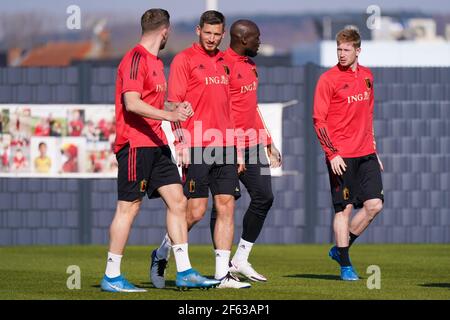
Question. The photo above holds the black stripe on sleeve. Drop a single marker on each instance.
(132, 64)
(136, 68)
(326, 140)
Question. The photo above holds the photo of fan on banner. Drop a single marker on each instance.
(57, 139)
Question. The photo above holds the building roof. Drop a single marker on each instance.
(57, 54)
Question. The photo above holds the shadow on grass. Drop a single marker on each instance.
(435, 285)
(315, 276)
(170, 285)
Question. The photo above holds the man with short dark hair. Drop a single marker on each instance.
(199, 75)
(343, 120)
(144, 158)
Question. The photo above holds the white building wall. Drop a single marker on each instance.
(379, 54)
(393, 54)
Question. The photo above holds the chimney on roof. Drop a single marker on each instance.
(212, 5)
(14, 56)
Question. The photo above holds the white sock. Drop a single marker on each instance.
(243, 251)
(180, 252)
(222, 263)
(113, 265)
(163, 251)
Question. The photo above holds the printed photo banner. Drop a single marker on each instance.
(54, 141)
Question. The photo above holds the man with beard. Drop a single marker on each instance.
(199, 75)
(144, 158)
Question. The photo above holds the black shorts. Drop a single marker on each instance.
(360, 182)
(256, 177)
(256, 155)
(212, 169)
(143, 170)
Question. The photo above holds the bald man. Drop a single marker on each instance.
(252, 137)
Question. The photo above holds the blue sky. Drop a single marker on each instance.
(188, 9)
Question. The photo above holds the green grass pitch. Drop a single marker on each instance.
(294, 272)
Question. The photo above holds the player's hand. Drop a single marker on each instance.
(179, 114)
(380, 163)
(241, 168)
(240, 161)
(274, 156)
(183, 156)
(187, 106)
(338, 165)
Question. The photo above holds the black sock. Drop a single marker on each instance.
(352, 239)
(343, 254)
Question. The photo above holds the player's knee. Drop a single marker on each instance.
(129, 208)
(373, 208)
(268, 200)
(262, 203)
(179, 206)
(182, 203)
(224, 205)
(196, 213)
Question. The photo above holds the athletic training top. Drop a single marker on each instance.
(139, 71)
(343, 112)
(202, 80)
(244, 100)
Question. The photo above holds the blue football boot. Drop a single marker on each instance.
(118, 284)
(192, 279)
(348, 274)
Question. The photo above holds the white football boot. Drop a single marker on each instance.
(231, 282)
(245, 269)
